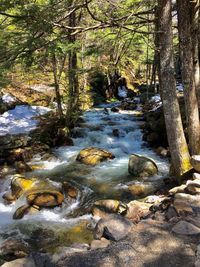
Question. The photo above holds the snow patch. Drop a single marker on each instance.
(8, 98)
(20, 119)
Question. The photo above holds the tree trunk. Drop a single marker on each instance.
(186, 45)
(73, 93)
(57, 87)
(194, 16)
(178, 147)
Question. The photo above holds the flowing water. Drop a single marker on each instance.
(68, 224)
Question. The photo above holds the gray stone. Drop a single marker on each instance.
(186, 228)
(114, 227)
(25, 262)
(102, 243)
(192, 200)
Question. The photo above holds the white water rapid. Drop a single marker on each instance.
(107, 180)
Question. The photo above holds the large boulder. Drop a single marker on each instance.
(20, 184)
(136, 210)
(140, 189)
(94, 155)
(49, 197)
(114, 227)
(140, 166)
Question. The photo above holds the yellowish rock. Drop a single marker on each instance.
(45, 197)
(70, 190)
(94, 155)
(23, 210)
(20, 184)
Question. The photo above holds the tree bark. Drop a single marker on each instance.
(57, 86)
(194, 16)
(178, 147)
(187, 68)
(73, 86)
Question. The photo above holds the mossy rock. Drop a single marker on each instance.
(94, 155)
(45, 197)
(20, 184)
(141, 166)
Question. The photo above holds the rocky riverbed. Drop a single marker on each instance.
(105, 201)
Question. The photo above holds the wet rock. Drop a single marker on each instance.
(45, 197)
(114, 227)
(140, 166)
(128, 105)
(102, 243)
(115, 132)
(62, 138)
(136, 210)
(22, 167)
(94, 155)
(186, 228)
(161, 151)
(8, 197)
(12, 249)
(25, 262)
(23, 210)
(110, 205)
(20, 184)
(102, 208)
(114, 109)
(195, 161)
(70, 190)
(142, 189)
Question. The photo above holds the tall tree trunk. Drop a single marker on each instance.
(186, 45)
(156, 63)
(178, 147)
(194, 16)
(73, 98)
(57, 86)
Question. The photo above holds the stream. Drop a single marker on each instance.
(68, 224)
